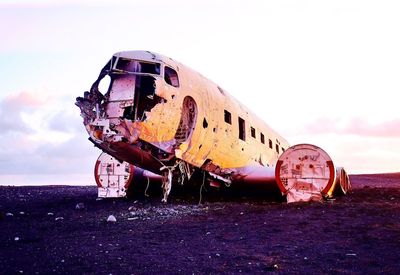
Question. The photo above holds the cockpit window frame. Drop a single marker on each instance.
(156, 71)
(173, 79)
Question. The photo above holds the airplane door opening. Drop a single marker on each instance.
(187, 122)
(145, 97)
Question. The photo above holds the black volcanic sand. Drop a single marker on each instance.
(358, 233)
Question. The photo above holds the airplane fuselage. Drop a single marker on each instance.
(166, 118)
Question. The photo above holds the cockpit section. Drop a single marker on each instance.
(126, 103)
(126, 88)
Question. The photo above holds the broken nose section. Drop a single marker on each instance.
(98, 123)
(104, 130)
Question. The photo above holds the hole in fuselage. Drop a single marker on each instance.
(205, 123)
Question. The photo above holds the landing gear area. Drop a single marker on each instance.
(117, 179)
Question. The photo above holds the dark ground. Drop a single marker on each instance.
(357, 234)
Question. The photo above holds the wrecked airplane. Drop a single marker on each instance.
(153, 116)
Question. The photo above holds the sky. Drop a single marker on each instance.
(320, 72)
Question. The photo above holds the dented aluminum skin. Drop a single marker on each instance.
(166, 118)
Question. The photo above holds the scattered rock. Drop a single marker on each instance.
(80, 206)
(50, 214)
(22, 213)
(59, 219)
(111, 218)
(9, 215)
(16, 239)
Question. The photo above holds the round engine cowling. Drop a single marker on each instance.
(112, 176)
(305, 172)
(343, 184)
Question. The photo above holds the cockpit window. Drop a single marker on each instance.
(171, 77)
(136, 66)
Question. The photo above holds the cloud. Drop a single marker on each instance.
(75, 156)
(354, 126)
(36, 139)
(63, 121)
(12, 109)
(361, 127)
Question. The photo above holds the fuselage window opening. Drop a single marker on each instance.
(270, 144)
(242, 129)
(136, 66)
(253, 132)
(227, 117)
(277, 148)
(171, 77)
(262, 138)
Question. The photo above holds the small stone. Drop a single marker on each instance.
(305, 258)
(132, 219)
(99, 199)
(59, 219)
(80, 206)
(50, 214)
(276, 266)
(16, 239)
(111, 218)
(9, 215)
(22, 213)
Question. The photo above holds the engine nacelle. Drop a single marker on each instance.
(114, 177)
(305, 172)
